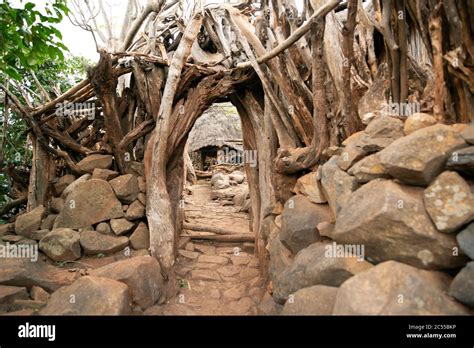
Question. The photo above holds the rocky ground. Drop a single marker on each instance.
(384, 226)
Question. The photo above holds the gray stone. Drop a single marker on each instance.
(462, 161)
(421, 156)
(466, 240)
(367, 169)
(349, 156)
(380, 133)
(393, 288)
(462, 286)
(382, 211)
(317, 265)
(418, 121)
(299, 222)
(337, 184)
(104, 228)
(449, 202)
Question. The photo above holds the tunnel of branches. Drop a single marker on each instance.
(301, 80)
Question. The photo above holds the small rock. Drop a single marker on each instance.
(240, 260)
(62, 183)
(189, 246)
(104, 174)
(39, 294)
(367, 169)
(449, 202)
(349, 156)
(136, 210)
(205, 274)
(236, 292)
(125, 187)
(380, 133)
(337, 184)
(248, 273)
(228, 271)
(48, 222)
(103, 228)
(466, 240)
(310, 187)
(142, 198)
(39, 234)
(468, 134)
(241, 307)
(188, 254)
(94, 243)
(418, 121)
(89, 163)
(220, 260)
(141, 184)
(29, 222)
(121, 226)
(140, 238)
(462, 161)
(462, 286)
(61, 244)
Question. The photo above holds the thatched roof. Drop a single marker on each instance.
(218, 126)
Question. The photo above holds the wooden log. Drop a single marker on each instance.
(203, 174)
(245, 237)
(205, 228)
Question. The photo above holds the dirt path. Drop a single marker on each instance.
(214, 278)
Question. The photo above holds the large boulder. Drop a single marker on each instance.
(90, 296)
(462, 161)
(89, 163)
(393, 288)
(90, 202)
(299, 222)
(61, 244)
(125, 187)
(449, 202)
(418, 121)
(391, 221)
(465, 240)
(367, 169)
(24, 272)
(94, 243)
(29, 222)
(142, 274)
(317, 264)
(308, 185)
(314, 300)
(337, 184)
(421, 156)
(462, 286)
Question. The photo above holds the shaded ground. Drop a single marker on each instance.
(213, 278)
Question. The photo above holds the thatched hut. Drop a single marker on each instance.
(216, 137)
